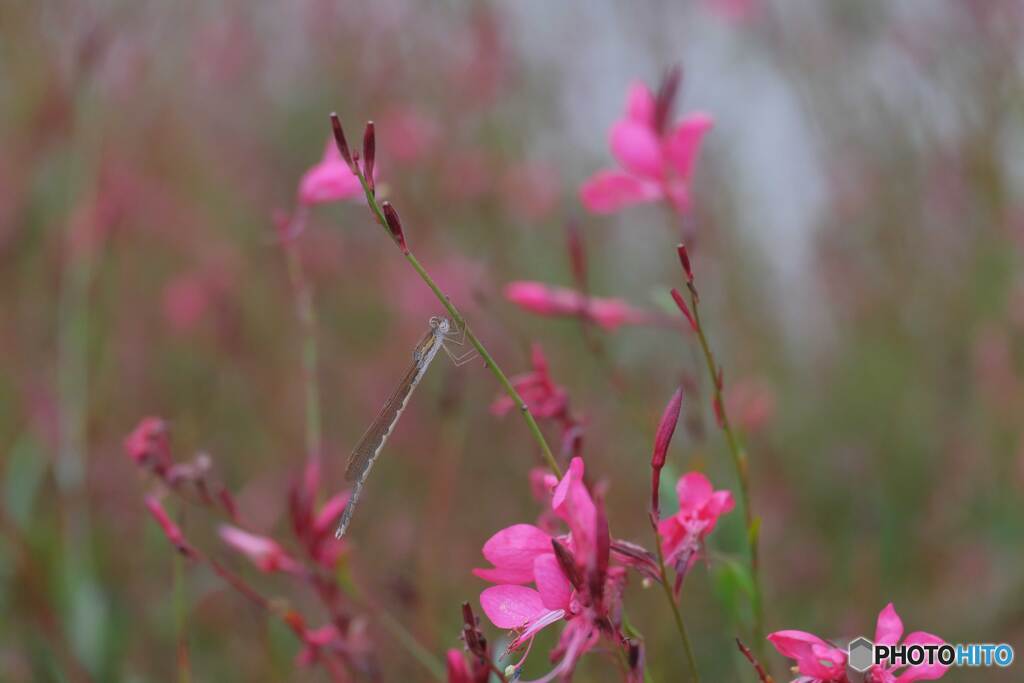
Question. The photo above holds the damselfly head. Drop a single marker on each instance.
(440, 324)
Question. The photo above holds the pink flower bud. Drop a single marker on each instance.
(662, 439)
(264, 552)
(170, 529)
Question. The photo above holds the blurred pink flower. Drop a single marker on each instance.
(531, 190)
(545, 398)
(547, 300)
(751, 403)
(888, 631)
(571, 573)
(315, 529)
(314, 640)
(331, 180)
(816, 659)
(149, 444)
(736, 11)
(407, 135)
(700, 506)
(264, 552)
(186, 300)
(654, 164)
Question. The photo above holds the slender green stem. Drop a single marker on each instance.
(302, 293)
(421, 654)
(461, 324)
(181, 610)
(676, 615)
(739, 461)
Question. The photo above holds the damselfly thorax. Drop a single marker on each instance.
(365, 453)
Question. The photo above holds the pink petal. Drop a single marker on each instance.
(575, 473)
(924, 672)
(813, 655)
(694, 491)
(721, 503)
(264, 552)
(683, 143)
(889, 627)
(637, 148)
(555, 589)
(328, 182)
(512, 552)
(609, 191)
(640, 104)
(512, 606)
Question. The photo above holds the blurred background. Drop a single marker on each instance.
(857, 229)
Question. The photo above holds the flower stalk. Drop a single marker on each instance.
(736, 451)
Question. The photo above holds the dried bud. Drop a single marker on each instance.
(684, 260)
(681, 303)
(369, 153)
(341, 142)
(475, 641)
(662, 439)
(394, 226)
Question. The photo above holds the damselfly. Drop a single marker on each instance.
(366, 451)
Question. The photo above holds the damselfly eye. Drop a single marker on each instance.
(435, 321)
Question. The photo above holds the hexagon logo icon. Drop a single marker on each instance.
(860, 653)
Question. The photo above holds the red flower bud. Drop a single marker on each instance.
(681, 303)
(684, 259)
(369, 152)
(341, 142)
(395, 226)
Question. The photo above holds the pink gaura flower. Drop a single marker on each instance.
(816, 660)
(264, 552)
(547, 300)
(819, 661)
(331, 180)
(571, 574)
(654, 164)
(888, 631)
(700, 506)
